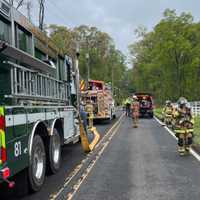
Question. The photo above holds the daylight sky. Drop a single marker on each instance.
(117, 17)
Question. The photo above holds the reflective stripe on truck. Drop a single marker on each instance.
(2, 136)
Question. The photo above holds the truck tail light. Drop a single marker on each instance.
(5, 173)
(2, 136)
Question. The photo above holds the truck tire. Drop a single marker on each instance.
(37, 167)
(54, 152)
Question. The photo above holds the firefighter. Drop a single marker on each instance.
(167, 112)
(184, 126)
(83, 115)
(89, 109)
(124, 105)
(135, 111)
(128, 106)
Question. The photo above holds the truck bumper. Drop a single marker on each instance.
(101, 117)
(145, 112)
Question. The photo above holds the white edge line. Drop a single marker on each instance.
(192, 151)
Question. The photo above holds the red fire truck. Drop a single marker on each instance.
(100, 95)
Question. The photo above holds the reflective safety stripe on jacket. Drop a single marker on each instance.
(168, 110)
(184, 131)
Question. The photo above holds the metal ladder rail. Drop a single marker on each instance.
(27, 82)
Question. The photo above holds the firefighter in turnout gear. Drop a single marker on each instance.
(89, 109)
(128, 106)
(135, 106)
(167, 113)
(184, 123)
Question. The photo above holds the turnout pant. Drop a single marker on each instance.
(185, 140)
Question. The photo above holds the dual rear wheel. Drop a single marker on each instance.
(43, 159)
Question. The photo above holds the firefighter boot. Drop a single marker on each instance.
(135, 123)
(181, 148)
(181, 151)
(189, 142)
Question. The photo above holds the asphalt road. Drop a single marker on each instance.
(72, 155)
(141, 164)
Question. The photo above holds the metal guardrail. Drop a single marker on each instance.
(195, 106)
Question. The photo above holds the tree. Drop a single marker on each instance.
(166, 60)
(105, 61)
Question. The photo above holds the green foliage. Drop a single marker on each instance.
(105, 61)
(167, 60)
(197, 130)
(158, 113)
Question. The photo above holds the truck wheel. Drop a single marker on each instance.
(54, 157)
(37, 168)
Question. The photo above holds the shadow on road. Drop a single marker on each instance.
(72, 155)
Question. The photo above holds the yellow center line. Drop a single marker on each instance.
(91, 166)
(75, 171)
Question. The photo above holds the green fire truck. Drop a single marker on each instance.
(38, 101)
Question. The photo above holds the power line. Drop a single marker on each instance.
(20, 4)
(57, 14)
(59, 8)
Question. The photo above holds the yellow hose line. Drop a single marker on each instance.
(96, 138)
(84, 139)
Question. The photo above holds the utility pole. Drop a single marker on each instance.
(41, 15)
(11, 2)
(77, 75)
(112, 80)
(28, 6)
(88, 68)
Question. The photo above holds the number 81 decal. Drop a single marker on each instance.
(18, 149)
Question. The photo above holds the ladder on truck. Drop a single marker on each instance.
(33, 85)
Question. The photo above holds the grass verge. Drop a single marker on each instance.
(197, 130)
(158, 113)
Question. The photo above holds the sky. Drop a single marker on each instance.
(119, 18)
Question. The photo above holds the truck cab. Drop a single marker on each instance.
(146, 104)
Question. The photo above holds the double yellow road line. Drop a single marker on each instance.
(94, 145)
